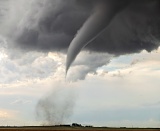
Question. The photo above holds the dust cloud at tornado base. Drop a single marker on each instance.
(56, 107)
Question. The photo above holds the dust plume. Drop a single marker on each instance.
(56, 107)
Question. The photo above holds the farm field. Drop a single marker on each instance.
(61, 128)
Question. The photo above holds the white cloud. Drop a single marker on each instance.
(121, 100)
(86, 63)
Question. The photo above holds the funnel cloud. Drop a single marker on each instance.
(98, 23)
(103, 13)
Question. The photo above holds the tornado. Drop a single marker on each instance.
(103, 13)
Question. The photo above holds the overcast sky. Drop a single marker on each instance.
(117, 86)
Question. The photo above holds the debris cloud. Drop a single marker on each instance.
(56, 107)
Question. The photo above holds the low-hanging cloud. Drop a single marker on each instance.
(112, 26)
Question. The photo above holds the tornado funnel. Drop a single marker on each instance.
(102, 14)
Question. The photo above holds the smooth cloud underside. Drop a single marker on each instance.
(51, 25)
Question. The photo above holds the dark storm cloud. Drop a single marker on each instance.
(133, 29)
(53, 26)
(118, 27)
(128, 26)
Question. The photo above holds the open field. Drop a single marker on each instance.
(50, 128)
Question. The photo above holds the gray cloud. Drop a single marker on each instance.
(129, 30)
(132, 30)
(46, 25)
(51, 25)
